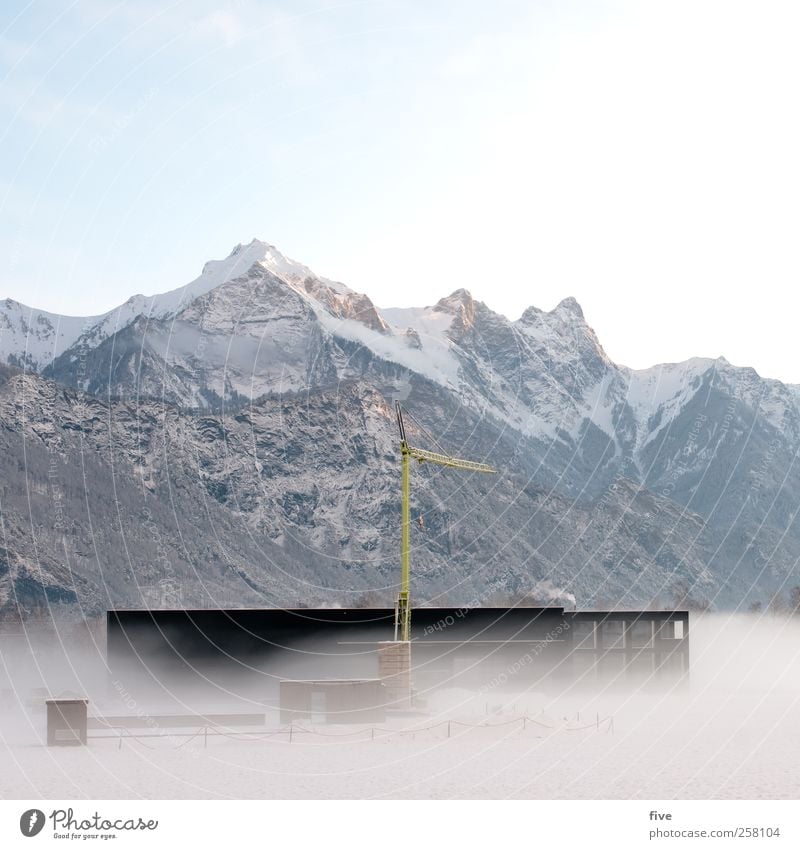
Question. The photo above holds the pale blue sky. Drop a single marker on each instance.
(639, 156)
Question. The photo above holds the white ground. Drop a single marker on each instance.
(731, 734)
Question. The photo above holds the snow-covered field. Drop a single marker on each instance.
(732, 733)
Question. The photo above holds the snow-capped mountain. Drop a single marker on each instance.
(614, 482)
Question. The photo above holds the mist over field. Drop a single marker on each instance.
(729, 732)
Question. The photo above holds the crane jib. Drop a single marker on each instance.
(453, 462)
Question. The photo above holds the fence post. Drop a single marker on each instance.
(205, 736)
(598, 720)
(291, 728)
(448, 727)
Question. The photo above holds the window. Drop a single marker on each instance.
(669, 629)
(641, 633)
(613, 634)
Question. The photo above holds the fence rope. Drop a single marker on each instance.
(382, 733)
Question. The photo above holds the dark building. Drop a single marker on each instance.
(477, 648)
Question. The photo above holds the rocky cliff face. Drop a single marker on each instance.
(233, 442)
(293, 501)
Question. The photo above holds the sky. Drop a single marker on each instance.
(639, 156)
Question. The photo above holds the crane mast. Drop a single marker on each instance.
(402, 620)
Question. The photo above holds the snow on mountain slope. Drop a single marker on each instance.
(215, 273)
(421, 342)
(239, 330)
(240, 260)
(232, 321)
(430, 323)
(508, 364)
(662, 391)
(31, 338)
(657, 395)
(435, 342)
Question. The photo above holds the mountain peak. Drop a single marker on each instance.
(531, 315)
(461, 305)
(456, 302)
(569, 308)
(243, 257)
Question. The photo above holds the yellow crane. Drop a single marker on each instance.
(402, 617)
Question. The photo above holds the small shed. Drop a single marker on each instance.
(66, 722)
(339, 700)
